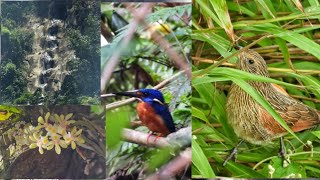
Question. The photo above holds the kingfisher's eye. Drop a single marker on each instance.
(145, 94)
(251, 61)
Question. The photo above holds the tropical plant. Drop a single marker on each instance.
(143, 62)
(46, 136)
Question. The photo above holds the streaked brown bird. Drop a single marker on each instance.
(250, 120)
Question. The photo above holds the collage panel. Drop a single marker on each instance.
(50, 52)
(255, 89)
(50, 56)
(145, 85)
(65, 142)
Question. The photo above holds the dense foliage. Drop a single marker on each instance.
(144, 64)
(289, 44)
(81, 86)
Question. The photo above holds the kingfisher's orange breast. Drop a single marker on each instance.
(150, 119)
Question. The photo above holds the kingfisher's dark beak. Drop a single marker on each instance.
(129, 94)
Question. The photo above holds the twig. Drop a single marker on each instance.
(174, 167)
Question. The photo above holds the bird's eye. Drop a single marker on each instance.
(251, 61)
(145, 94)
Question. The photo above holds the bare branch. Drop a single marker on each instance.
(181, 138)
(141, 138)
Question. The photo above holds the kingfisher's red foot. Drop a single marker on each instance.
(155, 139)
(149, 137)
(160, 135)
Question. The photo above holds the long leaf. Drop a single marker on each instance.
(296, 39)
(221, 9)
(207, 11)
(223, 71)
(199, 114)
(201, 161)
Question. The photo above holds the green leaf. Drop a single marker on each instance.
(284, 49)
(316, 133)
(164, 13)
(266, 8)
(158, 158)
(293, 37)
(298, 65)
(310, 82)
(227, 72)
(314, 2)
(199, 114)
(237, 7)
(207, 79)
(218, 42)
(201, 161)
(116, 120)
(208, 12)
(221, 10)
(236, 169)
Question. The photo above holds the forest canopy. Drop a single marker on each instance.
(74, 48)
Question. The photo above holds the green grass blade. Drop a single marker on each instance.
(314, 2)
(221, 9)
(266, 8)
(206, 11)
(239, 8)
(219, 43)
(199, 114)
(216, 101)
(284, 49)
(296, 39)
(236, 169)
(311, 83)
(226, 72)
(201, 161)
